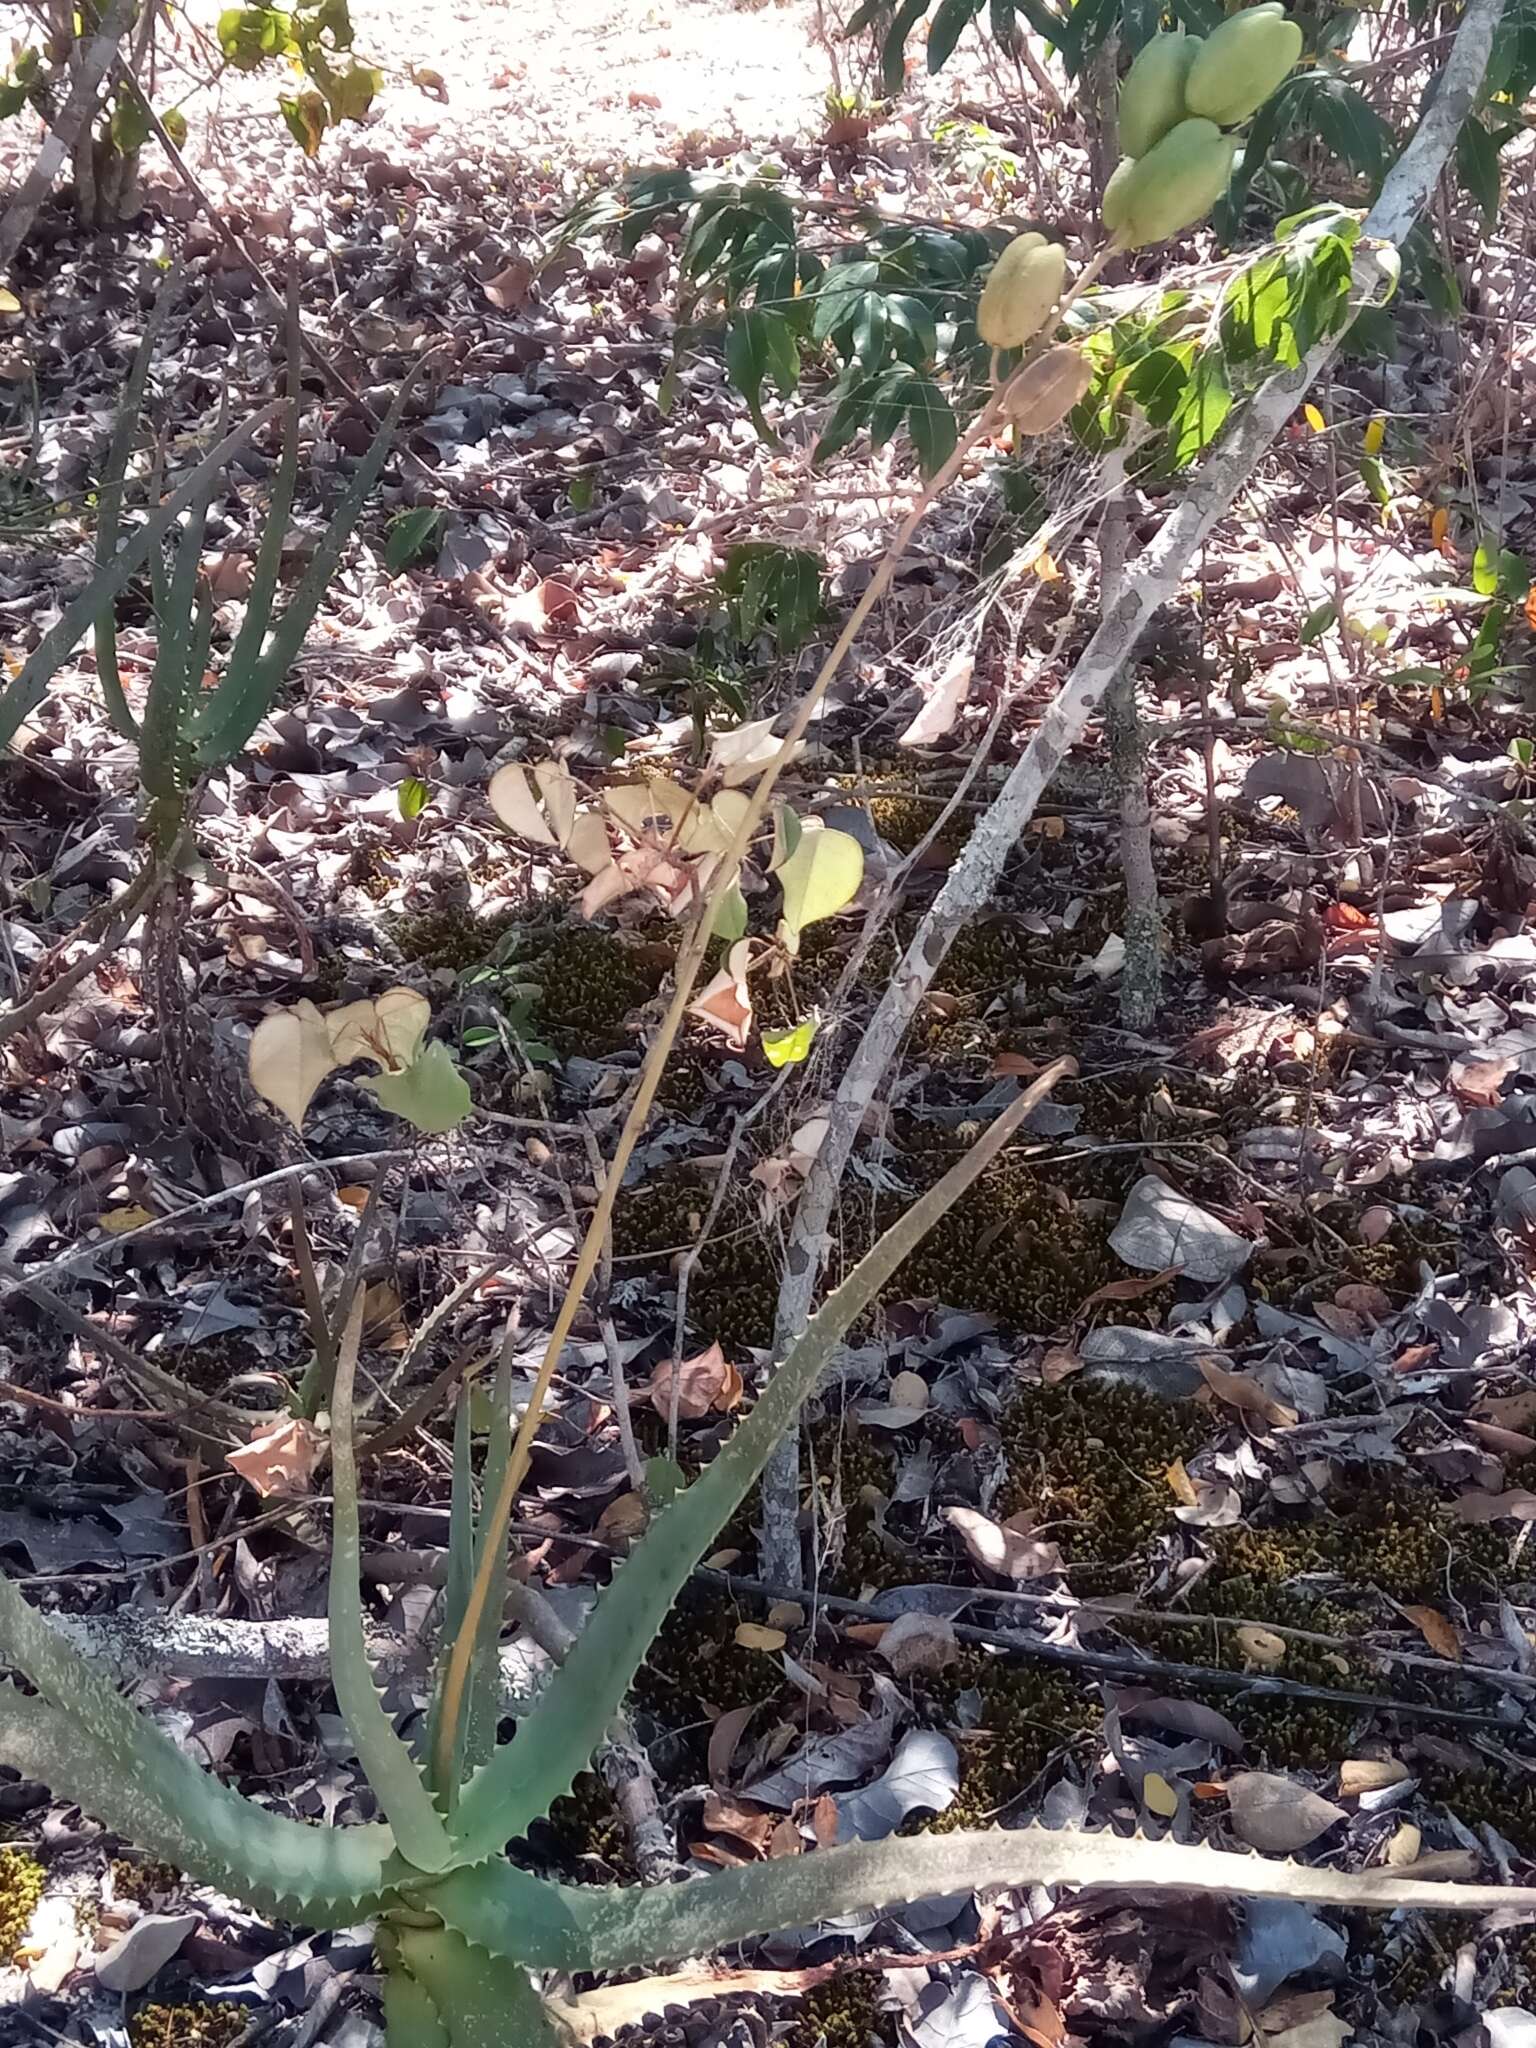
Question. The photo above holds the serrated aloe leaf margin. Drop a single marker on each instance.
(484, 1998)
(573, 1712)
(101, 1753)
(387, 1763)
(622, 1927)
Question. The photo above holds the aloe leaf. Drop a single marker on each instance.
(390, 1770)
(484, 1690)
(456, 1585)
(21, 697)
(246, 692)
(573, 1712)
(109, 503)
(411, 2019)
(162, 763)
(629, 1925)
(484, 1999)
(269, 557)
(497, 1906)
(98, 1751)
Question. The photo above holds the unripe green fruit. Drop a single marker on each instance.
(1018, 297)
(1152, 97)
(1112, 210)
(1178, 180)
(1240, 65)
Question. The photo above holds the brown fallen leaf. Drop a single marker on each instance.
(1358, 1774)
(942, 704)
(1262, 1649)
(1277, 1815)
(706, 1382)
(1361, 1298)
(919, 1642)
(1509, 1411)
(509, 287)
(1245, 1394)
(724, 1003)
(1439, 1633)
(752, 1635)
(1515, 1506)
(1181, 1485)
(1004, 1548)
(1373, 1224)
(724, 1739)
(280, 1459)
(1129, 1289)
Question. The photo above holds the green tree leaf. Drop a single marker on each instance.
(431, 1093)
(789, 1048)
(931, 423)
(410, 536)
(820, 878)
(949, 24)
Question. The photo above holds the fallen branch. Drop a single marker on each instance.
(1152, 582)
(135, 1644)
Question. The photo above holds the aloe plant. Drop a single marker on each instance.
(459, 1927)
(188, 728)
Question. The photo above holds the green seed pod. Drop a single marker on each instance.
(1174, 184)
(1112, 210)
(1020, 294)
(1044, 392)
(1152, 97)
(1240, 66)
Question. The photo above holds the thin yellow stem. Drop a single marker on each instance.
(690, 959)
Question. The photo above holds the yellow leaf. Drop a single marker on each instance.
(789, 1048)
(1314, 418)
(9, 303)
(1046, 568)
(820, 878)
(115, 1221)
(386, 1029)
(290, 1056)
(1182, 1486)
(1360, 1774)
(1375, 434)
(1158, 1796)
(750, 1635)
(1439, 525)
(1403, 1849)
(1261, 1647)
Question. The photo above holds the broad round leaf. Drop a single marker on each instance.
(290, 1056)
(387, 1030)
(820, 878)
(431, 1094)
(789, 1048)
